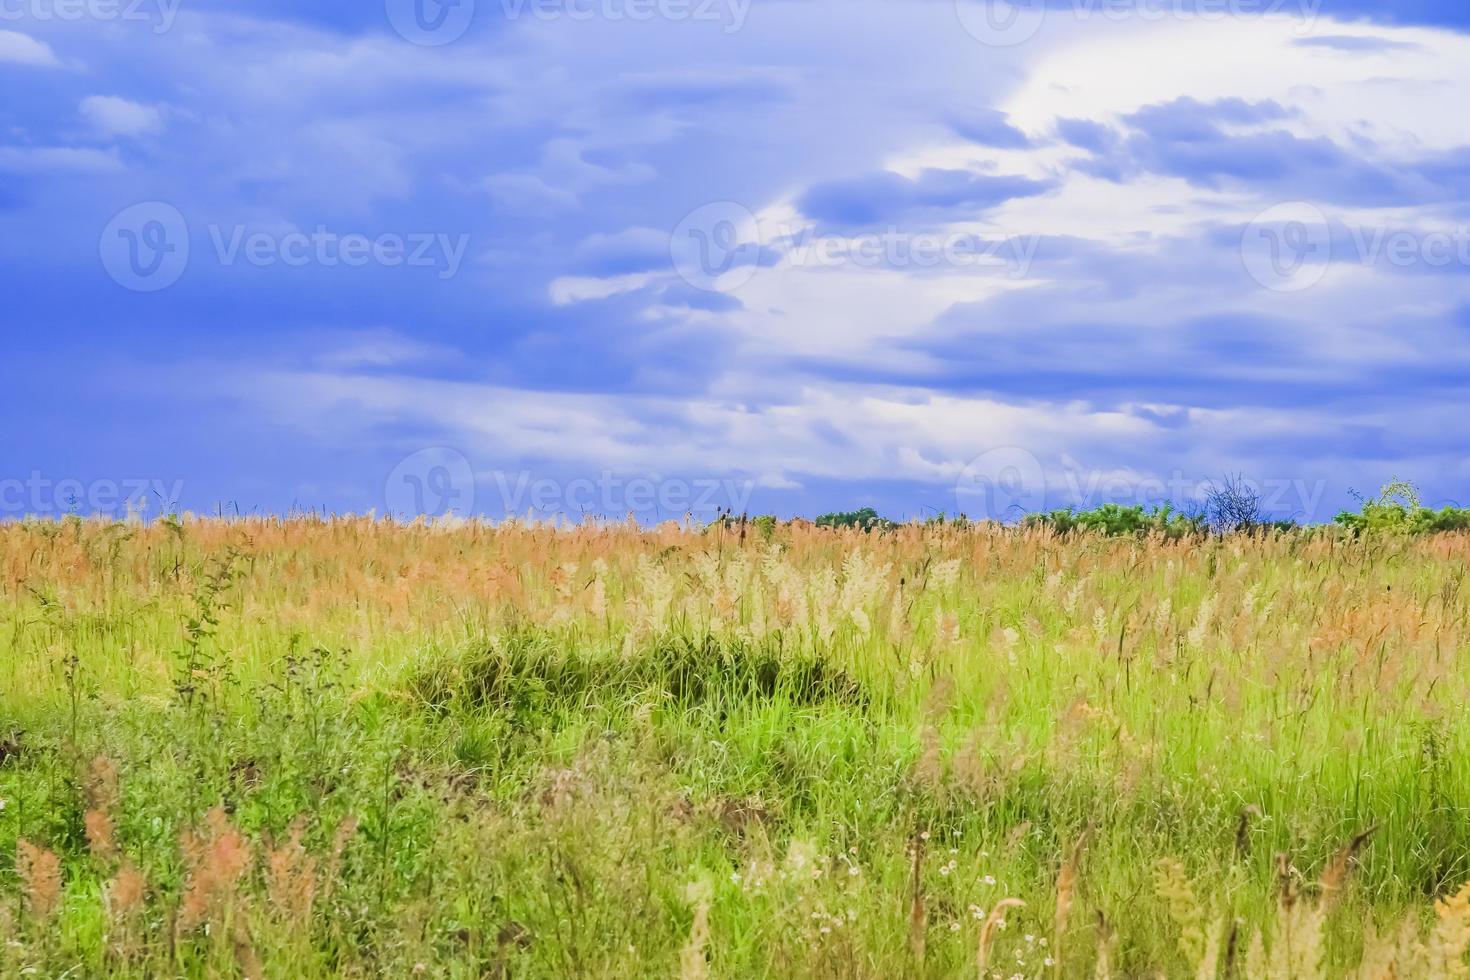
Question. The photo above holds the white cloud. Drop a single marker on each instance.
(22, 49)
(112, 115)
(57, 159)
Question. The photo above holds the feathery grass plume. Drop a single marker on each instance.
(103, 790)
(125, 893)
(693, 959)
(103, 799)
(1172, 885)
(216, 860)
(290, 878)
(1334, 876)
(1103, 970)
(244, 950)
(918, 920)
(929, 766)
(1450, 937)
(331, 873)
(993, 922)
(100, 836)
(1242, 830)
(123, 899)
(1209, 962)
(1066, 885)
(40, 878)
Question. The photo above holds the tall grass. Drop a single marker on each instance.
(296, 748)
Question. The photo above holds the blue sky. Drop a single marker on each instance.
(657, 255)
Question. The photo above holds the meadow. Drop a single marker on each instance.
(294, 748)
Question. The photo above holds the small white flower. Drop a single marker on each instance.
(954, 927)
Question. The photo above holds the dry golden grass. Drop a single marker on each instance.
(352, 747)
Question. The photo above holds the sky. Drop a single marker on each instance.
(657, 257)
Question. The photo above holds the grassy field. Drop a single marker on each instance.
(308, 748)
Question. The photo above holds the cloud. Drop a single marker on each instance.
(630, 250)
(887, 196)
(22, 49)
(1240, 144)
(111, 115)
(1356, 43)
(1088, 134)
(51, 160)
(1134, 340)
(988, 127)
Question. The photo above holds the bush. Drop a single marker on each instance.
(866, 519)
(1233, 505)
(1116, 519)
(1397, 510)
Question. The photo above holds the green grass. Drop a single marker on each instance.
(558, 752)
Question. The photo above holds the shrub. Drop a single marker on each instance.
(1233, 505)
(1117, 519)
(865, 519)
(1397, 510)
